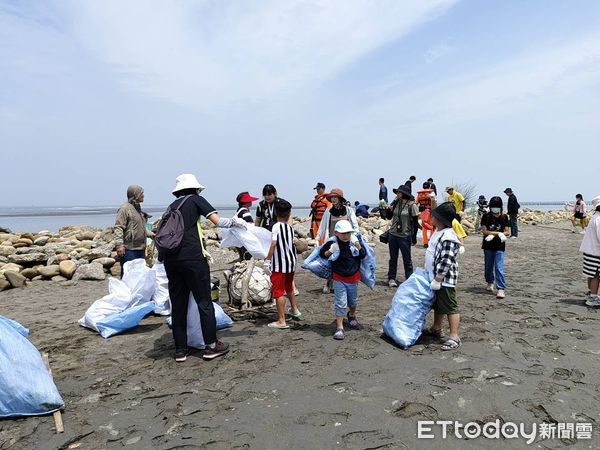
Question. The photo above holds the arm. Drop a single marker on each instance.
(320, 237)
(324, 251)
(271, 251)
(119, 230)
(352, 217)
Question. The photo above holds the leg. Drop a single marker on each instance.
(178, 294)
(280, 302)
(291, 293)
(405, 248)
(394, 248)
(341, 302)
(198, 278)
(438, 321)
(499, 270)
(488, 261)
(514, 228)
(453, 321)
(594, 283)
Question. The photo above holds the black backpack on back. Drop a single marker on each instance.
(171, 228)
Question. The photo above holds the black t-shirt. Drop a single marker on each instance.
(265, 212)
(493, 223)
(194, 207)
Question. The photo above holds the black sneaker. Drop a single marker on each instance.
(220, 349)
(181, 355)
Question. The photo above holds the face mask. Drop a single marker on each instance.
(496, 210)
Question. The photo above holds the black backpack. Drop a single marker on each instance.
(171, 228)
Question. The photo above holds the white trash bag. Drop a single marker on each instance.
(161, 290)
(256, 240)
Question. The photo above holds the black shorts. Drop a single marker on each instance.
(445, 301)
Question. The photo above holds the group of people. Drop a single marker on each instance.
(334, 224)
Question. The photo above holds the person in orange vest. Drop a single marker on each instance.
(317, 209)
(426, 226)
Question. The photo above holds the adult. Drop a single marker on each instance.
(512, 210)
(383, 191)
(579, 209)
(361, 210)
(188, 271)
(130, 227)
(265, 211)
(432, 185)
(402, 233)
(590, 247)
(457, 199)
(336, 212)
(317, 209)
(410, 182)
(494, 227)
(244, 200)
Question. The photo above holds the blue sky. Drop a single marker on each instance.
(95, 96)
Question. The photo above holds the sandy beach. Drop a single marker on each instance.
(530, 358)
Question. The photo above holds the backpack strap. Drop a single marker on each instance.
(201, 237)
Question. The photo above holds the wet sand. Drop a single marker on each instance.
(532, 358)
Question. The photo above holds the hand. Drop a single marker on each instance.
(334, 248)
(121, 250)
(502, 237)
(267, 266)
(353, 238)
(239, 223)
(435, 285)
(461, 250)
(489, 237)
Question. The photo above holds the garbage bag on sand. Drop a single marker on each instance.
(26, 387)
(256, 240)
(412, 302)
(161, 290)
(194, 329)
(259, 286)
(126, 304)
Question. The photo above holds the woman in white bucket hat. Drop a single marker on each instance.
(590, 247)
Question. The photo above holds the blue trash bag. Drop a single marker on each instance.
(368, 265)
(26, 387)
(412, 302)
(223, 320)
(124, 320)
(321, 267)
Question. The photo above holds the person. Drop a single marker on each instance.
(383, 192)
(130, 227)
(338, 211)
(432, 185)
(426, 197)
(346, 274)
(410, 182)
(460, 233)
(579, 210)
(244, 200)
(361, 210)
(317, 209)
(457, 199)
(281, 261)
(590, 247)
(482, 209)
(426, 225)
(188, 271)
(441, 262)
(495, 226)
(513, 212)
(265, 211)
(402, 233)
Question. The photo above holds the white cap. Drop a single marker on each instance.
(343, 226)
(186, 181)
(596, 202)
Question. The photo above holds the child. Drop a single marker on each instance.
(441, 263)
(495, 229)
(282, 261)
(346, 274)
(244, 200)
(579, 209)
(590, 247)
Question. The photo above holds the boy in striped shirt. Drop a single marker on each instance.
(281, 260)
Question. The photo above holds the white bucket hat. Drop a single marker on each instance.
(186, 181)
(596, 202)
(343, 226)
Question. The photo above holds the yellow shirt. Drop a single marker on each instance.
(457, 200)
(458, 229)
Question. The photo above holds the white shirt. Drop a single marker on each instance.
(591, 239)
(432, 247)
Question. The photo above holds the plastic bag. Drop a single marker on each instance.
(124, 320)
(161, 290)
(140, 279)
(26, 387)
(256, 240)
(321, 267)
(412, 302)
(368, 264)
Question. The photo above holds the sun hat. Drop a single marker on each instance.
(445, 213)
(343, 226)
(245, 197)
(319, 186)
(404, 190)
(336, 192)
(596, 202)
(186, 181)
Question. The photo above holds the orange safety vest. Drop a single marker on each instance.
(318, 207)
(423, 197)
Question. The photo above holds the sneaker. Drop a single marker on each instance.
(514, 237)
(220, 349)
(181, 355)
(339, 334)
(392, 283)
(500, 294)
(326, 289)
(490, 287)
(593, 300)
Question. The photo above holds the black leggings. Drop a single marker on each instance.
(185, 277)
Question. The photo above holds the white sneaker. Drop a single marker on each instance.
(490, 287)
(392, 283)
(593, 300)
(514, 237)
(500, 294)
(326, 289)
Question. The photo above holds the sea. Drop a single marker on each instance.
(37, 218)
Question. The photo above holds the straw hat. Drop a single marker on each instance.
(186, 181)
(336, 192)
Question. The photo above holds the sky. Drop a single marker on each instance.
(98, 95)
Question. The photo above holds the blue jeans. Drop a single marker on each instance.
(494, 267)
(346, 296)
(400, 244)
(514, 227)
(130, 255)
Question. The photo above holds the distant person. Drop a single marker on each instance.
(579, 209)
(265, 211)
(410, 182)
(346, 274)
(244, 200)
(513, 212)
(460, 232)
(457, 200)
(432, 186)
(590, 247)
(482, 210)
(495, 226)
(130, 227)
(427, 227)
(361, 210)
(317, 209)
(383, 192)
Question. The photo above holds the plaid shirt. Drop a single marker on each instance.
(445, 264)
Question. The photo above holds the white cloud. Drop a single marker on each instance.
(436, 52)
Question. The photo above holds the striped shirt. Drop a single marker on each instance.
(284, 256)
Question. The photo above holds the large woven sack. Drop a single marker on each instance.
(259, 287)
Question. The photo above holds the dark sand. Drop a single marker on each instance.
(530, 358)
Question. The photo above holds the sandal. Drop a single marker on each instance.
(339, 334)
(451, 344)
(431, 332)
(297, 316)
(278, 326)
(352, 322)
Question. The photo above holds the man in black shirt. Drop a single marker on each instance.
(513, 212)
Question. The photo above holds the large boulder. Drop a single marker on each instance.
(106, 262)
(28, 258)
(42, 240)
(92, 271)
(10, 267)
(49, 271)
(26, 241)
(87, 235)
(4, 284)
(7, 250)
(30, 273)
(15, 279)
(67, 268)
(103, 251)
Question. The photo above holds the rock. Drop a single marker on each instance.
(38, 278)
(67, 268)
(106, 262)
(92, 271)
(3, 260)
(58, 278)
(4, 284)
(25, 241)
(15, 279)
(28, 258)
(306, 254)
(301, 245)
(49, 271)
(115, 270)
(7, 250)
(86, 235)
(100, 252)
(42, 240)
(12, 267)
(30, 273)
(4, 237)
